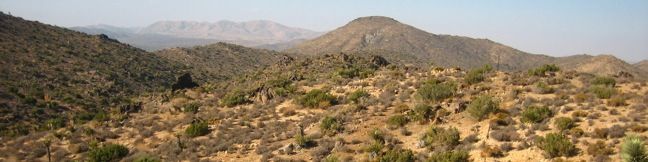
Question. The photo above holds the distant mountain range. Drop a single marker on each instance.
(403, 43)
(167, 34)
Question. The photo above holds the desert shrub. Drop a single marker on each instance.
(616, 101)
(303, 141)
(330, 125)
(450, 156)
(441, 137)
(398, 155)
(281, 86)
(633, 149)
(197, 129)
(355, 72)
(356, 95)
(331, 158)
(482, 107)
(581, 97)
(110, 152)
(535, 114)
(191, 107)
(477, 75)
(579, 113)
(234, 98)
(504, 135)
(564, 123)
(55, 123)
(422, 112)
(607, 81)
(374, 147)
(491, 151)
(316, 98)
(540, 71)
(600, 133)
(555, 145)
(397, 121)
(602, 92)
(436, 92)
(599, 148)
(616, 131)
(543, 88)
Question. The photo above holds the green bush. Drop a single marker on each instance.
(633, 149)
(477, 75)
(398, 155)
(191, 107)
(281, 86)
(450, 156)
(436, 92)
(356, 95)
(108, 153)
(441, 137)
(422, 112)
(197, 129)
(355, 72)
(555, 145)
(397, 121)
(330, 125)
(534, 114)
(606, 81)
(55, 123)
(303, 141)
(374, 147)
(234, 98)
(481, 107)
(316, 99)
(602, 92)
(540, 71)
(564, 123)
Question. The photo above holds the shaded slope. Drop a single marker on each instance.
(46, 70)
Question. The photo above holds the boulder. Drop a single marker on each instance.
(184, 82)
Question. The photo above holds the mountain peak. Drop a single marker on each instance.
(375, 19)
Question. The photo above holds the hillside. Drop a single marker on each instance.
(643, 65)
(51, 74)
(220, 61)
(383, 33)
(359, 107)
(601, 64)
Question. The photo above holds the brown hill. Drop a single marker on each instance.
(643, 65)
(386, 34)
(48, 72)
(221, 60)
(601, 65)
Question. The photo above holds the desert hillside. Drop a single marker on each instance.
(359, 107)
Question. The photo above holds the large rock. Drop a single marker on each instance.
(184, 82)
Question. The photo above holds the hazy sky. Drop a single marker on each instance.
(558, 28)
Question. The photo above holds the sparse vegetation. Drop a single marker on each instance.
(606, 81)
(397, 121)
(477, 75)
(602, 92)
(330, 125)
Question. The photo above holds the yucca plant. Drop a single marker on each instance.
(633, 149)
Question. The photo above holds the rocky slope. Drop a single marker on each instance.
(53, 73)
(643, 65)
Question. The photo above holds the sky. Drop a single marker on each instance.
(552, 27)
